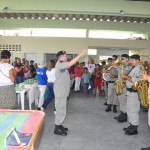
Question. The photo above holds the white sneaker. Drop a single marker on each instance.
(42, 109)
(54, 112)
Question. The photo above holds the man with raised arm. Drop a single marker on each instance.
(62, 88)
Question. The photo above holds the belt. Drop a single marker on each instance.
(131, 90)
(110, 81)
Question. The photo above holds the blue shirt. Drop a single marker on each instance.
(86, 77)
(41, 76)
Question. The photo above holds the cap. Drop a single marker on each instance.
(135, 56)
(109, 58)
(60, 53)
(125, 55)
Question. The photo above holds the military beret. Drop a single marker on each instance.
(60, 53)
(109, 58)
(125, 55)
(135, 56)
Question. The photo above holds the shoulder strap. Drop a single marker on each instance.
(4, 74)
(130, 70)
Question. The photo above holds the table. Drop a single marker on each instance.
(27, 121)
(33, 92)
(22, 95)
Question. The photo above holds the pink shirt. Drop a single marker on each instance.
(77, 72)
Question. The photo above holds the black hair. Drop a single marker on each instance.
(5, 54)
(52, 63)
(115, 56)
(103, 62)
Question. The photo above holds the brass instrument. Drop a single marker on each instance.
(120, 83)
(106, 76)
(142, 89)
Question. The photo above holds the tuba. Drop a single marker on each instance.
(106, 76)
(142, 89)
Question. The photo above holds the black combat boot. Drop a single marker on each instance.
(127, 128)
(108, 108)
(119, 115)
(63, 128)
(114, 108)
(59, 130)
(132, 130)
(122, 118)
(105, 104)
(148, 148)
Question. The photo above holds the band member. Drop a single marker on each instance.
(133, 103)
(123, 68)
(147, 77)
(104, 70)
(112, 97)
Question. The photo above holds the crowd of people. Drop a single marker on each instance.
(57, 78)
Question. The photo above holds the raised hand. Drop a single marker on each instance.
(83, 52)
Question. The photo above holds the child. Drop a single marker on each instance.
(97, 80)
(86, 80)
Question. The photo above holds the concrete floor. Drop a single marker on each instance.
(91, 128)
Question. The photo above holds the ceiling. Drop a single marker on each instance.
(134, 11)
(74, 16)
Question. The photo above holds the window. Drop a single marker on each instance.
(92, 51)
(115, 34)
(53, 32)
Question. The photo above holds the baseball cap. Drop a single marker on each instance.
(60, 53)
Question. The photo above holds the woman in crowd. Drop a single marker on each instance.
(7, 79)
(33, 68)
(26, 70)
(19, 69)
(50, 83)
